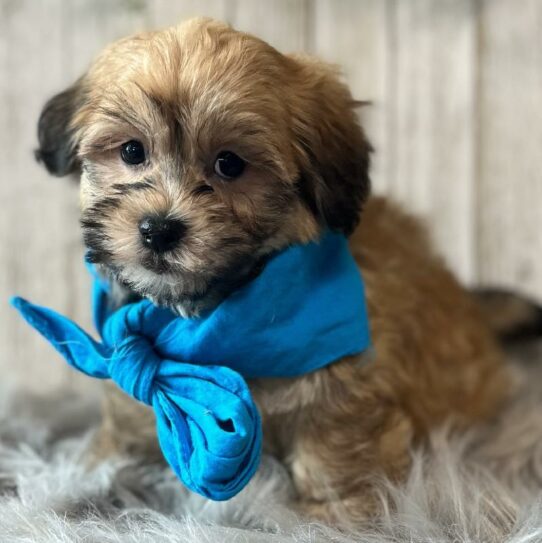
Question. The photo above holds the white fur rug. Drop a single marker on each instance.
(482, 487)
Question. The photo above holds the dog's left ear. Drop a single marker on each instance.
(333, 152)
(57, 150)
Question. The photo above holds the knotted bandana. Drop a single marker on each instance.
(304, 311)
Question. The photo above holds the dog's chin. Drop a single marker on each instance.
(188, 294)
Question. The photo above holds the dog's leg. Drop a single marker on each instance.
(335, 473)
(127, 428)
(336, 430)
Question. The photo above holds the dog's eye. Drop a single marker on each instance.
(132, 152)
(228, 165)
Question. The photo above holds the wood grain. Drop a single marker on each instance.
(456, 122)
(363, 55)
(39, 232)
(431, 152)
(282, 23)
(167, 12)
(509, 210)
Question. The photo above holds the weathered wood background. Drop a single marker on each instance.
(456, 122)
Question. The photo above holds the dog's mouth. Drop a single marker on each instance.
(186, 293)
(156, 263)
(176, 279)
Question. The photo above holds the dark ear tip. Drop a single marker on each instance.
(56, 151)
(38, 156)
(55, 162)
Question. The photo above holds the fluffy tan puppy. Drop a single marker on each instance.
(202, 150)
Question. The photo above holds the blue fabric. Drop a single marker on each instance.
(305, 310)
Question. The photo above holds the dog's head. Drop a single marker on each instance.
(202, 150)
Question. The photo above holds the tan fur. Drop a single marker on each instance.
(187, 93)
(193, 90)
(433, 359)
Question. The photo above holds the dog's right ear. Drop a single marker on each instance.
(57, 149)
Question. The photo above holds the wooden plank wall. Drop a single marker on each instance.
(456, 120)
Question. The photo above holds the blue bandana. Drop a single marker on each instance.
(304, 311)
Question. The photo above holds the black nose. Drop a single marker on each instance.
(161, 234)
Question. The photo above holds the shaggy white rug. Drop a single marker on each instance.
(481, 487)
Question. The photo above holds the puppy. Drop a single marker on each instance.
(202, 150)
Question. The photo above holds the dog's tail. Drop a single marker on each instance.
(513, 317)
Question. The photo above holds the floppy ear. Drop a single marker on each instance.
(333, 152)
(57, 150)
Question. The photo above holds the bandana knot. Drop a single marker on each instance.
(133, 366)
(304, 311)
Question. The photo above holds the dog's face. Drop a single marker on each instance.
(203, 150)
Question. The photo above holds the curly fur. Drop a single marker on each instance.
(188, 93)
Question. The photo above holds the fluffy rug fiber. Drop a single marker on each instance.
(485, 486)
